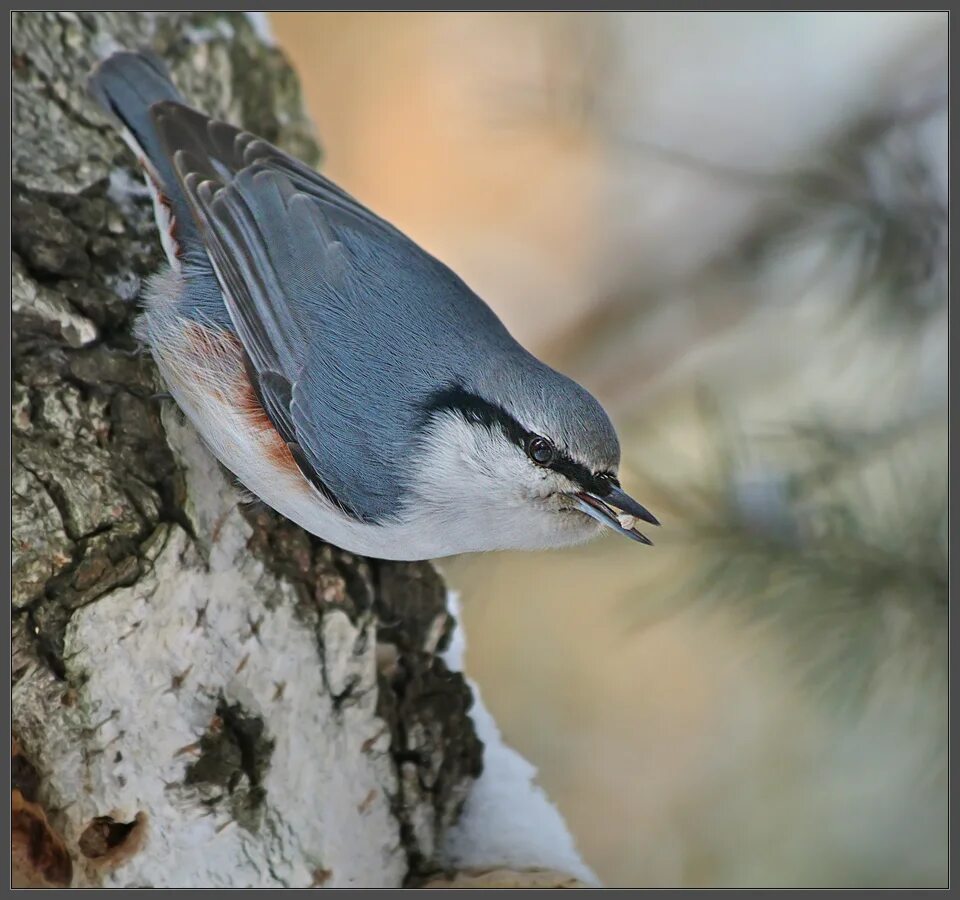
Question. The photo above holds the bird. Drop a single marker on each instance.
(343, 375)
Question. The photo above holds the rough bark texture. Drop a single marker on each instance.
(204, 695)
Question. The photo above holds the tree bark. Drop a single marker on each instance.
(204, 694)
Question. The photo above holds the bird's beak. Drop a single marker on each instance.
(617, 510)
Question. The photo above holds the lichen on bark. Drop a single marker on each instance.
(162, 635)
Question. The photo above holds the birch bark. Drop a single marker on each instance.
(203, 694)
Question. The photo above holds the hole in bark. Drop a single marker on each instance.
(107, 840)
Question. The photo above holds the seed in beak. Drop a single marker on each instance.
(627, 522)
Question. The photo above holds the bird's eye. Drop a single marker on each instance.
(541, 451)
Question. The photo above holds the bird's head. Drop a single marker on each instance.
(521, 458)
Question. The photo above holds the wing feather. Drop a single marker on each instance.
(348, 326)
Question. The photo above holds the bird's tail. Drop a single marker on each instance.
(126, 85)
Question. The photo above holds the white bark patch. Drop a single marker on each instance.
(154, 660)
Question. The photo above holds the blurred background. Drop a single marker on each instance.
(731, 227)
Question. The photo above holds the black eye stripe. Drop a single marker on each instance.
(476, 410)
(579, 473)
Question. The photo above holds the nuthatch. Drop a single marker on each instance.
(345, 376)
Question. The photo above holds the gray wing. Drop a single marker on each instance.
(348, 326)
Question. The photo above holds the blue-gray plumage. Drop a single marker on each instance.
(420, 425)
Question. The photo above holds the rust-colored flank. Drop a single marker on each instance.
(233, 387)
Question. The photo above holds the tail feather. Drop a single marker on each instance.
(126, 85)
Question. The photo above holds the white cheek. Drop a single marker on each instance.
(477, 485)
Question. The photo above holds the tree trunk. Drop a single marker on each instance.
(204, 695)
